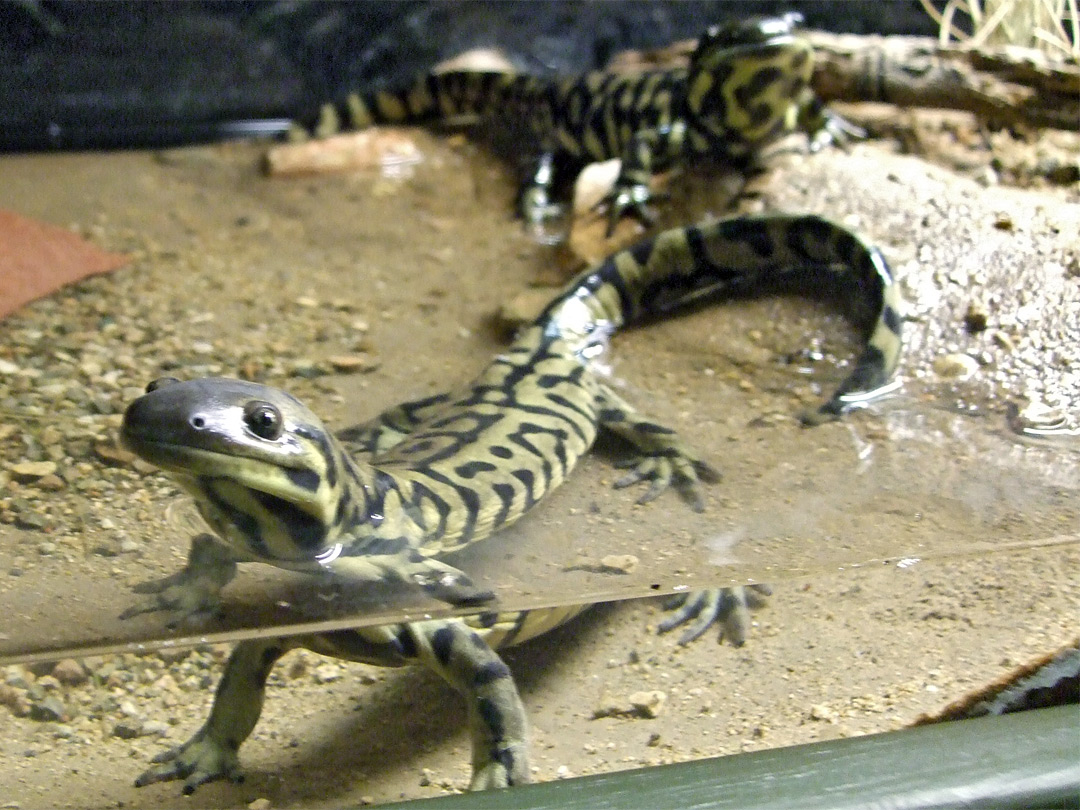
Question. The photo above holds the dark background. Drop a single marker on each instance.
(158, 72)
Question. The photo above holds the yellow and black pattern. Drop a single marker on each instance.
(276, 486)
(748, 82)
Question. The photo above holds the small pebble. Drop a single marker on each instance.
(648, 704)
(352, 363)
(26, 471)
(113, 454)
(32, 521)
(955, 366)
(70, 672)
(48, 710)
(127, 730)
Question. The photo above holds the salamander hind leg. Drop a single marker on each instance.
(661, 457)
(496, 714)
(727, 607)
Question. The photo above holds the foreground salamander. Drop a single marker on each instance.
(746, 85)
(446, 471)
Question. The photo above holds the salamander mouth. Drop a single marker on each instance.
(256, 510)
(173, 457)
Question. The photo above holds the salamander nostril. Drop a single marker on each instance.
(198, 422)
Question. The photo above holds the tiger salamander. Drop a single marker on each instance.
(446, 471)
(747, 83)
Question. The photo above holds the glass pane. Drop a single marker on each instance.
(279, 280)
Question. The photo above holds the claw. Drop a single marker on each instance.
(729, 607)
(678, 470)
(198, 761)
(194, 592)
(632, 197)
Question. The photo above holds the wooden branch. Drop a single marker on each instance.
(1006, 84)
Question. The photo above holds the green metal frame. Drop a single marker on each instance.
(1024, 760)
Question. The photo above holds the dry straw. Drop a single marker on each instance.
(1031, 23)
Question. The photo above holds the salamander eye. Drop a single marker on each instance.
(160, 382)
(264, 420)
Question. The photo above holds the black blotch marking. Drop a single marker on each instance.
(891, 318)
(505, 494)
(442, 645)
(499, 451)
(471, 469)
(505, 757)
(306, 531)
(420, 447)
(246, 524)
(550, 380)
(344, 510)
(307, 480)
(491, 671)
(652, 428)
(384, 546)
(266, 663)
(492, 715)
(527, 479)
(488, 618)
(325, 448)
(405, 642)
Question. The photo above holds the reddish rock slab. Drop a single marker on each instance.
(37, 259)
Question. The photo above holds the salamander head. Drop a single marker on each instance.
(748, 80)
(264, 471)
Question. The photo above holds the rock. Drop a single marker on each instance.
(27, 471)
(173, 655)
(975, 317)
(69, 672)
(619, 563)
(955, 366)
(611, 564)
(155, 728)
(648, 704)
(113, 454)
(48, 710)
(33, 521)
(51, 483)
(127, 730)
(327, 673)
(352, 363)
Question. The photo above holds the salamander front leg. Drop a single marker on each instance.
(212, 753)
(193, 592)
(436, 578)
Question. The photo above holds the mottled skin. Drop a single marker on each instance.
(434, 475)
(748, 83)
